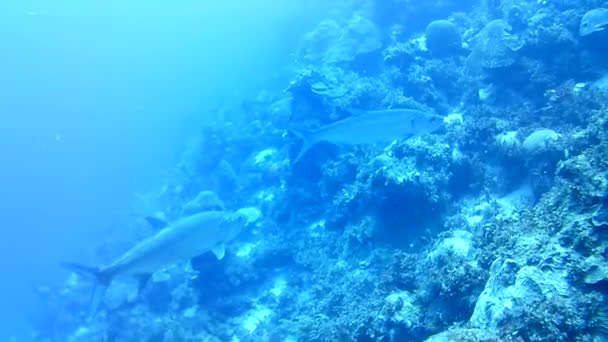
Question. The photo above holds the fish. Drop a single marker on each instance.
(593, 21)
(373, 126)
(181, 240)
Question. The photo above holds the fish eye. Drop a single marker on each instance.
(242, 219)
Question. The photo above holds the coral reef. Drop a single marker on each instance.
(492, 229)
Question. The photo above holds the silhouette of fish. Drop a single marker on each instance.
(368, 127)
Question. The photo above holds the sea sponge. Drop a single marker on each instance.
(442, 38)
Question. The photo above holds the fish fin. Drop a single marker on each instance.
(102, 281)
(81, 269)
(219, 251)
(356, 111)
(307, 142)
(142, 281)
(156, 222)
(99, 291)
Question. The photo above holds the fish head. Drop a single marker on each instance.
(428, 123)
(232, 223)
(593, 21)
(586, 27)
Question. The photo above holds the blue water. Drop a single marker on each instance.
(97, 100)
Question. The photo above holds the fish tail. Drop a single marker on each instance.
(307, 142)
(102, 281)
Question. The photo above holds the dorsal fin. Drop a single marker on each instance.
(219, 251)
(156, 222)
(142, 281)
(308, 140)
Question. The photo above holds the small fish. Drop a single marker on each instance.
(181, 240)
(593, 21)
(368, 127)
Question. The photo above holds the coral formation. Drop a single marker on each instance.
(442, 37)
(494, 47)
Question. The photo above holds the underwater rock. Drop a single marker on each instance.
(593, 21)
(540, 140)
(487, 93)
(462, 334)
(265, 158)
(442, 38)
(596, 270)
(541, 152)
(508, 140)
(458, 245)
(363, 34)
(402, 55)
(600, 216)
(511, 290)
(316, 43)
(517, 199)
(262, 169)
(120, 293)
(517, 17)
(393, 189)
(451, 276)
(281, 109)
(403, 309)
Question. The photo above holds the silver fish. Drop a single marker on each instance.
(181, 240)
(368, 127)
(593, 21)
